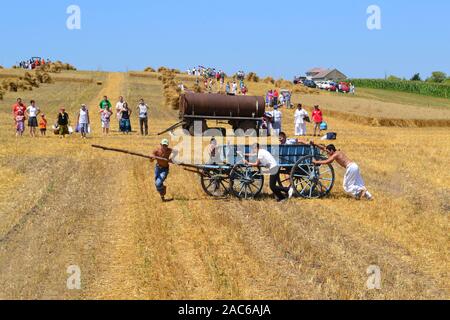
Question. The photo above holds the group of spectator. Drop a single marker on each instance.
(275, 98)
(32, 63)
(273, 121)
(206, 73)
(37, 120)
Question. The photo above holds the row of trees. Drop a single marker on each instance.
(436, 77)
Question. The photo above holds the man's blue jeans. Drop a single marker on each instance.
(160, 176)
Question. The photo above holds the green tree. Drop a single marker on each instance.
(416, 77)
(437, 77)
(393, 78)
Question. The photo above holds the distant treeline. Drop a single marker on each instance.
(419, 87)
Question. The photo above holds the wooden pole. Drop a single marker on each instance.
(140, 155)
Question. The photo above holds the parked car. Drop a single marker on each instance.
(319, 84)
(299, 80)
(327, 85)
(333, 87)
(344, 87)
(309, 84)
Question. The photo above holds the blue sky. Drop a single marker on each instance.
(279, 38)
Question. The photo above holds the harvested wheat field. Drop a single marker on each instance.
(62, 203)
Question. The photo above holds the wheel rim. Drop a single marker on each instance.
(311, 181)
(215, 183)
(246, 182)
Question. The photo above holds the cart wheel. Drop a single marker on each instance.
(246, 182)
(284, 180)
(311, 181)
(215, 182)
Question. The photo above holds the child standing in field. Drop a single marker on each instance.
(106, 119)
(20, 123)
(43, 125)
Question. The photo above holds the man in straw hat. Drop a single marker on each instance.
(163, 156)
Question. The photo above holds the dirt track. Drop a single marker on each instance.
(72, 205)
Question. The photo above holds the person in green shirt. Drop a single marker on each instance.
(105, 104)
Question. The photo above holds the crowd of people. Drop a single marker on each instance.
(273, 121)
(275, 98)
(36, 119)
(32, 63)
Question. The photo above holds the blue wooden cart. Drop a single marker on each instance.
(227, 175)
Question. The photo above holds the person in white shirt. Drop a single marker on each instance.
(119, 106)
(83, 121)
(266, 161)
(234, 88)
(33, 112)
(284, 141)
(143, 117)
(277, 118)
(300, 123)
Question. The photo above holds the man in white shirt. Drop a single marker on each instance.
(277, 118)
(234, 88)
(119, 107)
(143, 117)
(300, 123)
(33, 111)
(266, 161)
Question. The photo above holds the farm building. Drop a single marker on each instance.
(321, 74)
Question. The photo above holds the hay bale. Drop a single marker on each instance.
(198, 88)
(163, 69)
(269, 80)
(30, 79)
(12, 86)
(56, 67)
(43, 77)
(281, 83)
(252, 77)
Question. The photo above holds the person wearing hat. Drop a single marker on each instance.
(63, 123)
(163, 156)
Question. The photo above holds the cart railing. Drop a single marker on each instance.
(286, 155)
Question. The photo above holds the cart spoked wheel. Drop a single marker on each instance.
(284, 180)
(246, 182)
(311, 181)
(215, 182)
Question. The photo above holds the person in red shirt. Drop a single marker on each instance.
(275, 98)
(18, 106)
(317, 116)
